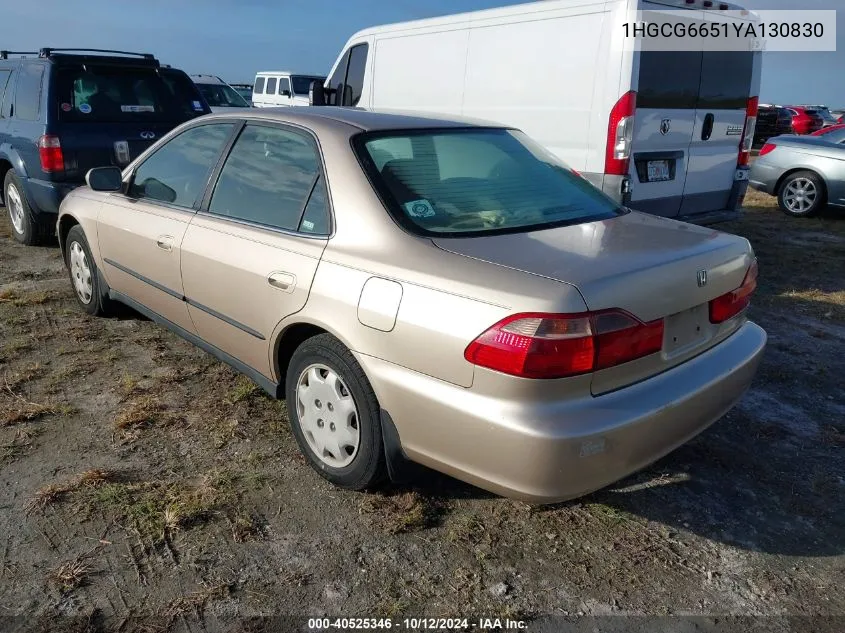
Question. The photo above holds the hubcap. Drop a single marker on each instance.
(328, 416)
(800, 195)
(80, 273)
(13, 201)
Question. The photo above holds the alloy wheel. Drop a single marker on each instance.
(800, 195)
(15, 204)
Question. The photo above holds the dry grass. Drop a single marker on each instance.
(244, 389)
(71, 574)
(53, 493)
(405, 512)
(14, 408)
(246, 527)
(467, 529)
(194, 603)
(27, 299)
(139, 413)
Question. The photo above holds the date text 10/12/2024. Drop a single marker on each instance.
(416, 624)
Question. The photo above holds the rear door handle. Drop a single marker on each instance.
(707, 128)
(165, 242)
(282, 281)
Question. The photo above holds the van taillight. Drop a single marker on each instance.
(748, 132)
(733, 303)
(540, 345)
(50, 153)
(620, 135)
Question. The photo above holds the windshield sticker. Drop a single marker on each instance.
(84, 108)
(419, 209)
(198, 106)
(137, 108)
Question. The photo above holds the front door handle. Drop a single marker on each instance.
(282, 281)
(165, 242)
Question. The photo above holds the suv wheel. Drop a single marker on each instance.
(26, 229)
(334, 414)
(802, 194)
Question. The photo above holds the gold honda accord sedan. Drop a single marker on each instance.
(436, 290)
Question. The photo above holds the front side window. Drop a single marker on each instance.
(271, 86)
(476, 181)
(111, 95)
(259, 85)
(355, 75)
(178, 171)
(28, 97)
(334, 84)
(270, 178)
(302, 84)
(284, 86)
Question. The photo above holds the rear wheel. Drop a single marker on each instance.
(334, 414)
(27, 228)
(801, 194)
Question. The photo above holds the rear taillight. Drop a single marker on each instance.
(733, 303)
(50, 153)
(748, 132)
(767, 148)
(540, 345)
(620, 135)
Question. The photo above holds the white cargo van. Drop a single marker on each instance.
(275, 88)
(665, 133)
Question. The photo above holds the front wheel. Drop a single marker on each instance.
(334, 414)
(90, 296)
(801, 194)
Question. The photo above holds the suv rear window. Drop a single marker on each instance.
(476, 181)
(112, 95)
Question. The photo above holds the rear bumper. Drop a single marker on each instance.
(764, 177)
(45, 196)
(550, 451)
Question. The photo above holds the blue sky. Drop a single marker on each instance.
(236, 38)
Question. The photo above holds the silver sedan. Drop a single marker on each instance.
(804, 172)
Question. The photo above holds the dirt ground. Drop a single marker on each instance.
(144, 485)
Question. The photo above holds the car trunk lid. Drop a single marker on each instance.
(651, 267)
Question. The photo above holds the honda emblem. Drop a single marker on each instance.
(148, 135)
(665, 126)
(702, 278)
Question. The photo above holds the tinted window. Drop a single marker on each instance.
(316, 217)
(302, 85)
(336, 80)
(4, 79)
(355, 75)
(178, 171)
(284, 84)
(726, 80)
(478, 181)
(9, 97)
(669, 79)
(259, 85)
(267, 178)
(271, 86)
(105, 94)
(222, 96)
(28, 97)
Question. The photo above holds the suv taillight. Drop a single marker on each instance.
(733, 303)
(50, 153)
(620, 135)
(541, 345)
(748, 132)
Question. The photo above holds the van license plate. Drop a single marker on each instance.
(658, 170)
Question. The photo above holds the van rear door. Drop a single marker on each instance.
(726, 81)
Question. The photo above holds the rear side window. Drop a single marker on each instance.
(4, 81)
(28, 96)
(114, 94)
(284, 84)
(9, 96)
(177, 172)
(269, 178)
(271, 86)
(477, 181)
(258, 88)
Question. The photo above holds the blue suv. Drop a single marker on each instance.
(64, 111)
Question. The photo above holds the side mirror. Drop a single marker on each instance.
(104, 179)
(285, 93)
(317, 93)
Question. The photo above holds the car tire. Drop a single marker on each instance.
(88, 288)
(324, 379)
(802, 194)
(27, 228)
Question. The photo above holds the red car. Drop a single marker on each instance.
(832, 128)
(805, 120)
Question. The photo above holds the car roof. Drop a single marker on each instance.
(367, 120)
(206, 79)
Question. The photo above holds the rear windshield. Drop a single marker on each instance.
(109, 94)
(476, 181)
(302, 84)
(222, 96)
